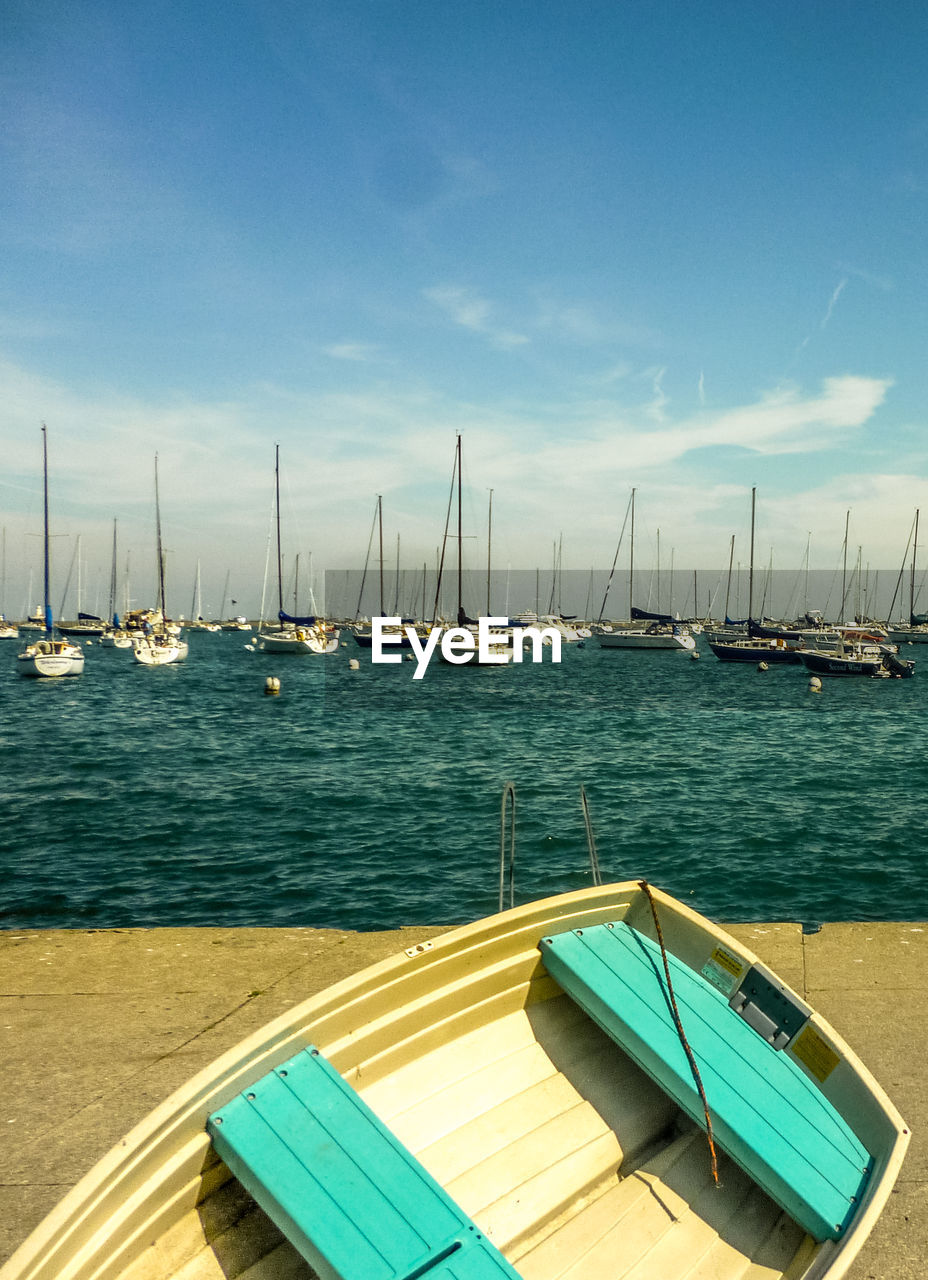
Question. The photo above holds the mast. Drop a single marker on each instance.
(47, 596)
(113, 580)
(631, 559)
(731, 561)
(280, 567)
(751, 568)
(912, 577)
(489, 544)
(380, 529)
(658, 572)
(460, 541)
(847, 521)
(164, 613)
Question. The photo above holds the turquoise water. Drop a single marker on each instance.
(365, 800)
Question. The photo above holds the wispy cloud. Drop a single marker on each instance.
(832, 301)
(467, 308)
(359, 352)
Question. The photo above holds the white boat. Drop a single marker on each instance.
(312, 637)
(514, 1099)
(160, 642)
(159, 649)
(294, 635)
(657, 636)
(51, 656)
(116, 638)
(8, 630)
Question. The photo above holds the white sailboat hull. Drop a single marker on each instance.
(159, 651)
(646, 640)
(300, 641)
(566, 1154)
(50, 658)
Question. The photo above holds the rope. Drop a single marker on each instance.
(590, 839)
(509, 794)
(690, 1057)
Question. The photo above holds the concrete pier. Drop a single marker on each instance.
(98, 1027)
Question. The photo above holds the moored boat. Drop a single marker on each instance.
(746, 648)
(159, 648)
(512, 1099)
(856, 658)
(51, 656)
(656, 636)
(161, 640)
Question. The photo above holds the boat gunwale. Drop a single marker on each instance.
(174, 1124)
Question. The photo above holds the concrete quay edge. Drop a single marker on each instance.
(99, 1026)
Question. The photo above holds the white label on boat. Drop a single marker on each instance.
(723, 970)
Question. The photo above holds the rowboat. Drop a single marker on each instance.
(602, 1084)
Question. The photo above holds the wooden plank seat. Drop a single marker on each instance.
(766, 1113)
(341, 1187)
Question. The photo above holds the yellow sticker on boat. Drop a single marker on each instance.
(723, 969)
(814, 1053)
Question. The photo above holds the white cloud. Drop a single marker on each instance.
(560, 466)
(468, 309)
(360, 352)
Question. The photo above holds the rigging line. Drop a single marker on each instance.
(370, 543)
(615, 559)
(590, 838)
(690, 1057)
(509, 793)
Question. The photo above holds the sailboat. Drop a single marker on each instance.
(115, 636)
(52, 655)
(916, 632)
(662, 630)
(758, 645)
(299, 635)
(160, 642)
(500, 647)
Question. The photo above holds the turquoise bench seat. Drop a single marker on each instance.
(341, 1187)
(766, 1113)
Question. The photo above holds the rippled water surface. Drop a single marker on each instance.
(365, 800)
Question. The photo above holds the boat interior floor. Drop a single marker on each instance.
(561, 1150)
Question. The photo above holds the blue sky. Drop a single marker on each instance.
(673, 246)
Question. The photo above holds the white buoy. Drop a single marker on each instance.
(272, 684)
(762, 666)
(815, 685)
(694, 654)
(354, 664)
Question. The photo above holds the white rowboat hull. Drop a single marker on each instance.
(567, 1157)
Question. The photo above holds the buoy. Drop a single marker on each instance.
(694, 654)
(762, 666)
(272, 684)
(354, 664)
(815, 684)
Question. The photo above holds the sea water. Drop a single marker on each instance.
(363, 799)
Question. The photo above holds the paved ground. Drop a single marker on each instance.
(98, 1027)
